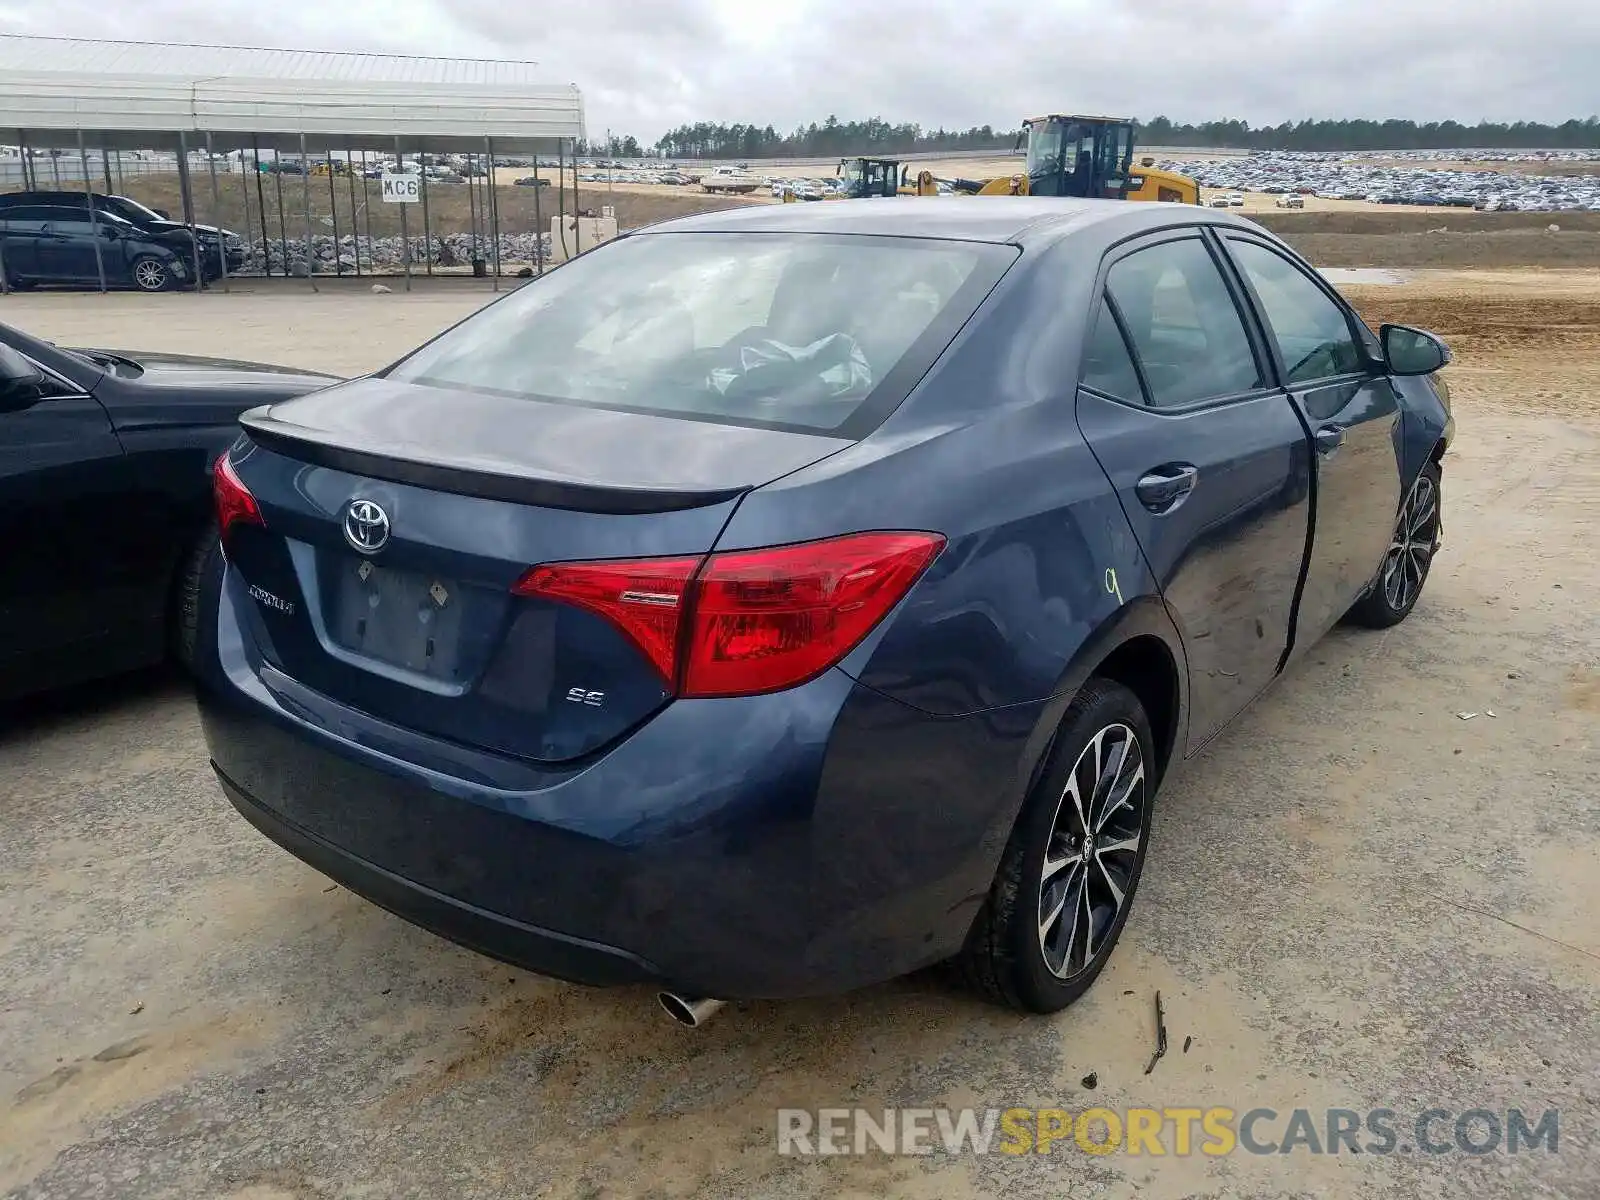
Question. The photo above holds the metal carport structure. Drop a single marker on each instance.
(148, 95)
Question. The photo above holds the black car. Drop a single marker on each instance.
(152, 221)
(105, 501)
(44, 244)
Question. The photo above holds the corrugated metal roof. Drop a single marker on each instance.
(191, 63)
(143, 94)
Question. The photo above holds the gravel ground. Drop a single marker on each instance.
(1355, 898)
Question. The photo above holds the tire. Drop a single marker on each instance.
(1021, 953)
(150, 274)
(186, 588)
(1404, 569)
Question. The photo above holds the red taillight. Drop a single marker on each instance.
(234, 501)
(643, 597)
(769, 619)
(748, 620)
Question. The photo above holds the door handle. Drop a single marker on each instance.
(1329, 439)
(1164, 488)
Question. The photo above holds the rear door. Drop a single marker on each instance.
(66, 246)
(22, 225)
(1353, 411)
(1208, 458)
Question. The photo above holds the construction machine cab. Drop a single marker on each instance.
(1079, 156)
(869, 177)
(1092, 157)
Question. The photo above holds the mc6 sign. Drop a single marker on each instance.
(401, 189)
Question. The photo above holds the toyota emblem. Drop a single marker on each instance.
(366, 526)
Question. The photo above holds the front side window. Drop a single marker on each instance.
(1312, 332)
(1185, 328)
(128, 210)
(759, 329)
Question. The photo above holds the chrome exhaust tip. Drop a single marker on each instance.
(688, 1010)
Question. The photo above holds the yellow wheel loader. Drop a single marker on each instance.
(1084, 156)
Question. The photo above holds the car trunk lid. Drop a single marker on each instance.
(396, 522)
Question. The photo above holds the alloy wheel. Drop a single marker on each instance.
(1092, 856)
(1416, 533)
(150, 275)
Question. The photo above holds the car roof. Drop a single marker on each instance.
(1019, 220)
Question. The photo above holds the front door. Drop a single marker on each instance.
(1353, 411)
(1209, 460)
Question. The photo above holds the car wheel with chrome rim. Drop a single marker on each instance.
(1405, 565)
(1067, 878)
(150, 274)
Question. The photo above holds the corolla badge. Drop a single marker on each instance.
(366, 526)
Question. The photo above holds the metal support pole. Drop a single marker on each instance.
(427, 233)
(27, 161)
(350, 179)
(105, 167)
(494, 213)
(244, 184)
(366, 207)
(216, 215)
(405, 233)
(187, 197)
(561, 197)
(333, 214)
(55, 167)
(305, 200)
(472, 213)
(283, 224)
(538, 221)
(94, 218)
(261, 206)
(121, 182)
(577, 207)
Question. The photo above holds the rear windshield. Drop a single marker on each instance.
(812, 332)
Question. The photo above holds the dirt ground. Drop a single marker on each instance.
(1354, 898)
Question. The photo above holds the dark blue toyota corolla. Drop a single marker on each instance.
(776, 601)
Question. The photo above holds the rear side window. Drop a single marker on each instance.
(35, 212)
(1313, 334)
(813, 332)
(1184, 325)
(1107, 365)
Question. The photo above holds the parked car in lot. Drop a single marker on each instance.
(150, 221)
(40, 244)
(854, 636)
(105, 501)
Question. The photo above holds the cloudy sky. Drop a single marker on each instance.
(647, 65)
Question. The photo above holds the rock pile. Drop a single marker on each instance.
(383, 254)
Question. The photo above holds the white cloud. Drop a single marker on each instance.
(647, 65)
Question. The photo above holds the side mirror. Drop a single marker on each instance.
(109, 232)
(21, 383)
(162, 213)
(1408, 351)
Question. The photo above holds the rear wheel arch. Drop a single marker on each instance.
(1140, 648)
(1146, 667)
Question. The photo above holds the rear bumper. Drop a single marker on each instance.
(541, 950)
(802, 843)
